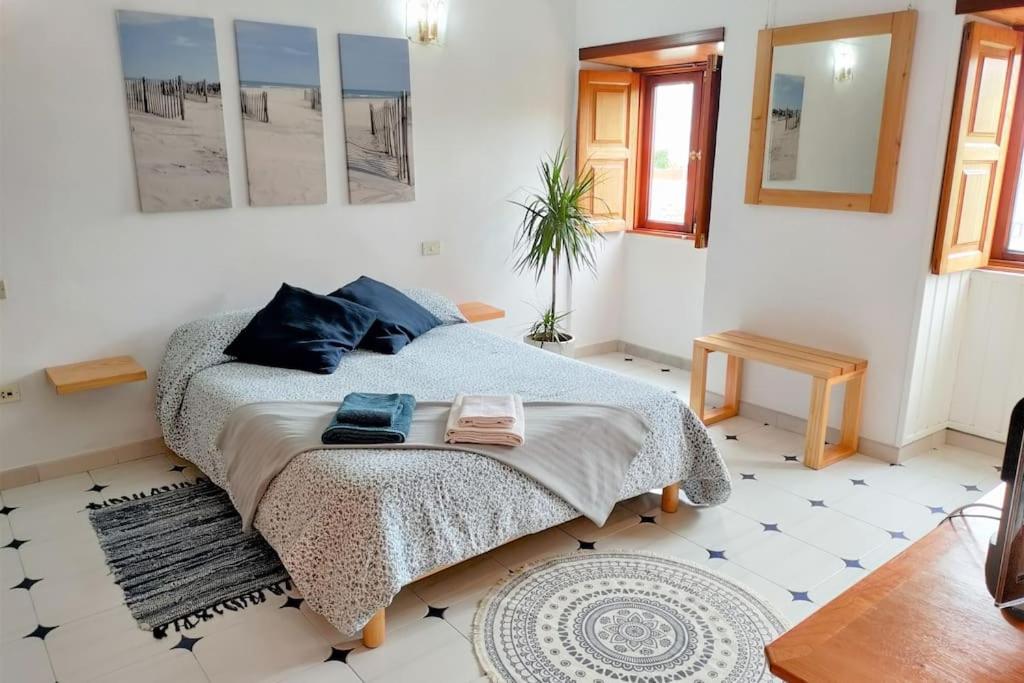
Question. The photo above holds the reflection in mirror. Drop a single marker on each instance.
(826, 114)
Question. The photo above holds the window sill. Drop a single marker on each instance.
(671, 234)
(1008, 267)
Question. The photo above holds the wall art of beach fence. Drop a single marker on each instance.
(377, 105)
(279, 83)
(173, 96)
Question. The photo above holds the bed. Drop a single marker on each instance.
(354, 527)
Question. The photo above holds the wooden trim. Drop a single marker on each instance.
(975, 6)
(1008, 194)
(759, 117)
(890, 137)
(837, 29)
(902, 26)
(1004, 266)
(644, 160)
(671, 234)
(709, 110)
(711, 35)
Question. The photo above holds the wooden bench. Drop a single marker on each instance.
(826, 368)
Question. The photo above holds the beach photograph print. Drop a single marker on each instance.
(375, 93)
(279, 74)
(172, 87)
(784, 130)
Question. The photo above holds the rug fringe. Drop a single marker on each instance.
(142, 495)
(235, 604)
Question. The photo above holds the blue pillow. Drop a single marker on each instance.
(399, 318)
(302, 331)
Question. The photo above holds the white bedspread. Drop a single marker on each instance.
(353, 527)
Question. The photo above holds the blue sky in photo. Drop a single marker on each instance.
(277, 54)
(788, 92)
(373, 63)
(167, 45)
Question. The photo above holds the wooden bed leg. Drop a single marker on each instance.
(373, 632)
(670, 498)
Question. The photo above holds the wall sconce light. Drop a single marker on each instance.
(426, 21)
(843, 60)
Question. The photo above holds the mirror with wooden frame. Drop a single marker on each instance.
(828, 109)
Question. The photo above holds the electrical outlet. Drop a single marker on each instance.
(10, 393)
(431, 248)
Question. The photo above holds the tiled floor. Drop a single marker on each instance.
(795, 536)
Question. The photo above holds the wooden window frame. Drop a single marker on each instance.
(705, 131)
(1001, 257)
(648, 82)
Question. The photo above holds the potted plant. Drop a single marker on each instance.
(555, 231)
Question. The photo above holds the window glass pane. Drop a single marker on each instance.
(670, 152)
(1017, 221)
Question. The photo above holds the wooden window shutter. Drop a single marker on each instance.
(979, 137)
(607, 132)
(708, 134)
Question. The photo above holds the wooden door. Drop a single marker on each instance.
(606, 135)
(978, 143)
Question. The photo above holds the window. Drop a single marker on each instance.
(646, 130)
(669, 151)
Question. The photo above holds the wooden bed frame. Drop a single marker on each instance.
(376, 629)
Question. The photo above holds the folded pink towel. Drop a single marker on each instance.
(514, 435)
(488, 411)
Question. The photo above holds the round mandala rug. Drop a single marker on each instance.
(605, 617)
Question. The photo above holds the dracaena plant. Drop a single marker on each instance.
(556, 232)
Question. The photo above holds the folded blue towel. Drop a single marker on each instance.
(369, 410)
(340, 432)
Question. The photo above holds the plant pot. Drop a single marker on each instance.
(563, 348)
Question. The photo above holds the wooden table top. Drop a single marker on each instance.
(926, 615)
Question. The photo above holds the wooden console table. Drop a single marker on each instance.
(827, 369)
(924, 616)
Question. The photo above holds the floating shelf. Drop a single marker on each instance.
(95, 374)
(478, 311)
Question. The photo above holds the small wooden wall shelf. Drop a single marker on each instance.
(95, 374)
(478, 311)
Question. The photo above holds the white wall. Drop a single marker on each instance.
(89, 276)
(663, 293)
(990, 370)
(844, 281)
(935, 357)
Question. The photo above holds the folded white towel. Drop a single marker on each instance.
(514, 435)
(487, 411)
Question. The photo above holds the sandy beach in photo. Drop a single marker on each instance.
(182, 165)
(783, 149)
(371, 172)
(285, 157)
(175, 111)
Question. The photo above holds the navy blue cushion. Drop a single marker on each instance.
(302, 331)
(399, 318)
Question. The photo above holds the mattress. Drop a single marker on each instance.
(353, 527)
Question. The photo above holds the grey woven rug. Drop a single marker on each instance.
(181, 558)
